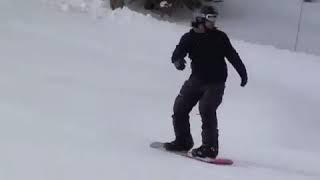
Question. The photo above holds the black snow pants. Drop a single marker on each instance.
(209, 96)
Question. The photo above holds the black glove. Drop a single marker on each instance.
(180, 64)
(244, 81)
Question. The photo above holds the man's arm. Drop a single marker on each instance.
(181, 49)
(234, 58)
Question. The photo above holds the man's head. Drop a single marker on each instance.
(205, 17)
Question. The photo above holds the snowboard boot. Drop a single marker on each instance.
(179, 145)
(205, 151)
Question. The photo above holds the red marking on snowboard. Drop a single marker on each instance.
(217, 161)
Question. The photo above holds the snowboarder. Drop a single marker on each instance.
(207, 48)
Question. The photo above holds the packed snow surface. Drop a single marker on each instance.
(83, 97)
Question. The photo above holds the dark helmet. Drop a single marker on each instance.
(208, 10)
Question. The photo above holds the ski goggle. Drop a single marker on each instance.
(210, 17)
(201, 18)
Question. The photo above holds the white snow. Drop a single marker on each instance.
(271, 22)
(82, 98)
(274, 22)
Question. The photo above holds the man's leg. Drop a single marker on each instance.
(188, 97)
(208, 105)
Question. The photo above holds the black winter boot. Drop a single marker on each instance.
(179, 144)
(205, 151)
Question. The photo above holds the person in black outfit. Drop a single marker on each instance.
(207, 47)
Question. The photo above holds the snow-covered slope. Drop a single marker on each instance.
(271, 22)
(82, 98)
(274, 22)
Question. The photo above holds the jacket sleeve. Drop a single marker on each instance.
(234, 58)
(181, 49)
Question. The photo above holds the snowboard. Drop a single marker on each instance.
(216, 161)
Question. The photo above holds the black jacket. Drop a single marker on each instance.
(207, 52)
